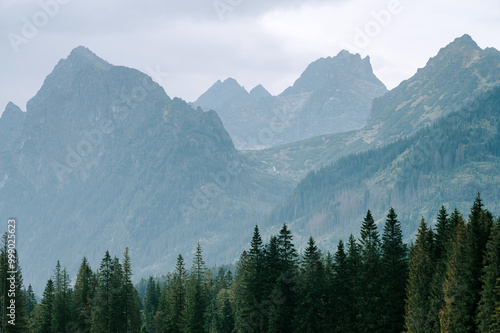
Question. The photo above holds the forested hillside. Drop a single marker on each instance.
(460, 72)
(445, 281)
(442, 163)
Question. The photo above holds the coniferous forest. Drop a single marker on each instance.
(446, 280)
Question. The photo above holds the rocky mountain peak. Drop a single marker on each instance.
(333, 70)
(259, 92)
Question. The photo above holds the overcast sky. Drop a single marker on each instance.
(187, 45)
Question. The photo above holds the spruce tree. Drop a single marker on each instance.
(61, 315)
(83, 297)
(310, 311)
(478, 229)
(350, 314)
(151, 301)
(330, 308)
(443, 237)
(170, 315)
(102, 307)
(224, 319)
(117, 302)
(44, 321)
(130, 304)
(458, 295)
(284, 293)
(197, 295)
(244, 315)
(30, 300)
(371, 297)
(490, 299)
(420, 277)
(394, 274)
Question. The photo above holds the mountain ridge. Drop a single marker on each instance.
(333, 94)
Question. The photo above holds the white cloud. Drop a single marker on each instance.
(268, 42)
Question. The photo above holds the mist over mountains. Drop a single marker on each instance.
(103, 158)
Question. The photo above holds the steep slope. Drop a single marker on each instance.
(333, 94)
(459, 72)
(106, 159)
(11, 123)
(446, 163)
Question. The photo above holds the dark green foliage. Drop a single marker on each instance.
(170, 316)
(364, 287)
(129, 304)
(83, 297)
(311, 292)
(61, 312)
(151, 301)
(197, 295)
(490, 299)
(419, 280)
(443, 238)
(422, 168)
(394, 275)
(30, 301)
(370, 277)
(44, 319)
(458, 295)
(284, 293)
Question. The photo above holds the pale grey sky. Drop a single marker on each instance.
(187, 45)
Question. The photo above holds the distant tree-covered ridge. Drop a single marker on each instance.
(447, 280)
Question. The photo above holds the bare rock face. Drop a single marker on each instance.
(333, 94)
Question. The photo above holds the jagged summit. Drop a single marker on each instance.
(11, 123)
(259, 92)
(462, 52)
(332, 71)
(11, 108)
(82, 55)
(465, 40)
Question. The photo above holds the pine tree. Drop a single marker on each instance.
(83, 297)
(197, 295)
(101, 310)
(61, 315)
(350, 300)
(151, 301)
(30, 300)
(458, 296)
(130, 304)
(443, 237)
(420, 277)
(284, 294)
(44, 321)
(478, 229)
(330, 308)
(310, 311)
(170, 315)
(117, 302)
(371, 297)
(224, 322)
(490, 299)
(394, 274)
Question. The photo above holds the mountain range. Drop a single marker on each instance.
(459, 73)
(103, 158)
(333, 94)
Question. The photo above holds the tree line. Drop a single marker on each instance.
(448, 280)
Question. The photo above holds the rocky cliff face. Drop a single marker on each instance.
(333, 94)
